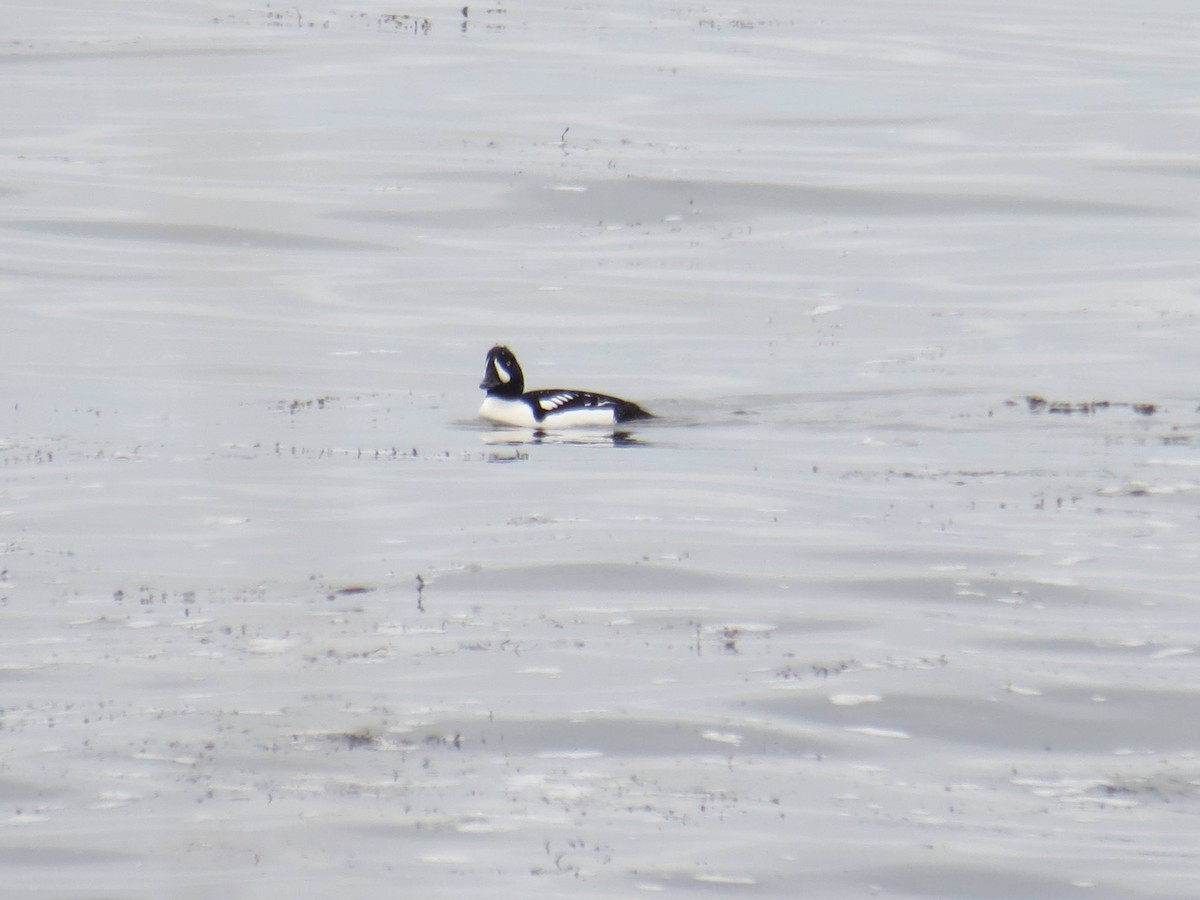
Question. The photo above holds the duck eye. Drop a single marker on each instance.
(501, 372)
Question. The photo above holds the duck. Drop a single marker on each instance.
(508, 403)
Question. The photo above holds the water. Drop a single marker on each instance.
(282, 618)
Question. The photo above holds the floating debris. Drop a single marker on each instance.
(354, 589)
(1087, 407)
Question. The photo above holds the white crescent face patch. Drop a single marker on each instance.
(501, 372)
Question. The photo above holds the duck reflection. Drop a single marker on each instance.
(515, 437)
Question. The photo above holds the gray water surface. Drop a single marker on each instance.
(858, 615)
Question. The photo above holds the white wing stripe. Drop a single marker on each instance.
(554, 401)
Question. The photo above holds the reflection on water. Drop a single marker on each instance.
(577, 436)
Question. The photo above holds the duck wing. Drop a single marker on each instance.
(564, 400)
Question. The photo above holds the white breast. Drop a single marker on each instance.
(518, 413)
(508, 412)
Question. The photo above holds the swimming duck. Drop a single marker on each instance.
(508, 403)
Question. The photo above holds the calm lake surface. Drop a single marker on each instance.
(898, 596)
